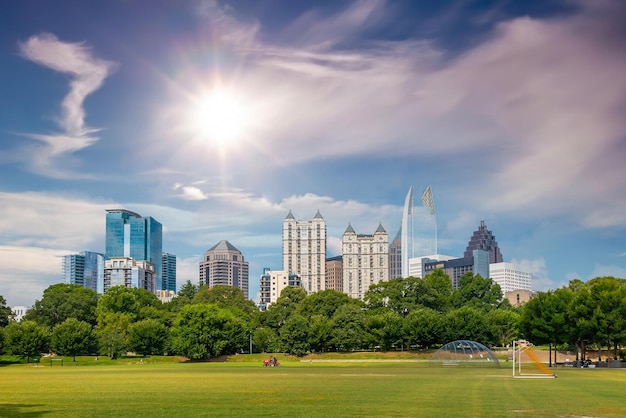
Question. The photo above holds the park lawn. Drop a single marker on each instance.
(304, 389)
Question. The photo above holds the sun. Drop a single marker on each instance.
(220, 117)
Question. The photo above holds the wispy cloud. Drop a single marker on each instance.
(88, 73)
(540, 100)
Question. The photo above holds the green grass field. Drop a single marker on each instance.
(240, 387)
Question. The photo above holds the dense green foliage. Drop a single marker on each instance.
(400, 314)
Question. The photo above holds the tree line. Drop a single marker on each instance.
(399, 314)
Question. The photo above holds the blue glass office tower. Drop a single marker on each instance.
(168, 271)
(84, 269)
(128, 234)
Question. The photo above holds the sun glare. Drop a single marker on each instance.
(220, 117)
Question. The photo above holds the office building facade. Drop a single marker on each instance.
(168, 272)
(128, 234)
(304, 251)
(484, 240)
(510, 277)
(477, 263)
(365, 260)
(85, 269)
(334, 273)
(224, 264)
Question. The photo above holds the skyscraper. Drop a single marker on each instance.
(128, 234)
(365, 260)
(304, 251)
(168, 270)
(418, 233)
(395, 256)
(223, 264)
(126, 271)
(483, 239)
(84, 268)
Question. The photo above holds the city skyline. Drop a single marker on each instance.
(219, 117)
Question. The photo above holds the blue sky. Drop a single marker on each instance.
(512, 111)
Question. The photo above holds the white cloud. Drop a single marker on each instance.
(539, 273)
(187, 268)
(27, 272)
(88, 74)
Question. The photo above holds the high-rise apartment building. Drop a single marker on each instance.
(418, 232)
(334, 273)
(273, 283)
(223, 264)
(168, 272)
(128, 234)
(304, 251)
(85, 269)
(510, 277)
(129, 272)
(365, 260)
(416, 265)
(482, 239)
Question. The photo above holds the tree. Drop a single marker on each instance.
(26, 339)
(438, 292)
(264, 339)
(400, 295)
(112, 332)
(72, 338)
(226, 297)
(466, 323)
(320, 328)
(278, 313)
(348, 332)
(62, 301)
(476, 291)
(202, 331)
(325, 302)
(503, 325)
(424, 327)
(384, 329)
(6, 314)
(121, 300)
(294, 335)
(188, 290)
(147, 337)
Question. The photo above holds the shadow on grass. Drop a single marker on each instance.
(19, 410)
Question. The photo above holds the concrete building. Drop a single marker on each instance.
(519, 297)
(304, 251)
(416, 264)
(223, 264)
(334, 273)
(19, 312)
(510, 277)
(126, 271)
(395, 256)
(128, 234)
(365, 260)
(85, 269)
(478, 263)
(273, 283)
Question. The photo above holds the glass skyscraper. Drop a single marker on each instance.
(84, 269)
(418, 232)
(128, 234)
(168, 271)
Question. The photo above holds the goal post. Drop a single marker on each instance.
(523, 347)
(59, 361)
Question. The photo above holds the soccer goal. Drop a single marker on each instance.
(58, 361)
(522, 352)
